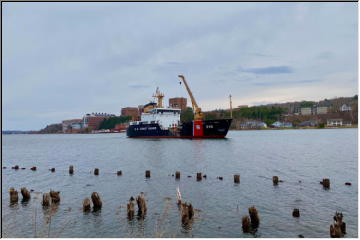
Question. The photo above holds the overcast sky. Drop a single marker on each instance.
(63, 60)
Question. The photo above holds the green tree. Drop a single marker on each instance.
(110, 123)
(187, 115)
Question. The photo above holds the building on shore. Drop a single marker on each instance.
(178, 102)
(253, 124)
(132, 112)
(334, 122)
(94, 120)
(345, 108)
(72, 125)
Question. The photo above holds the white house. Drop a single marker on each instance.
(334, 122)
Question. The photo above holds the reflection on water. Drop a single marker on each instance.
(300, 158)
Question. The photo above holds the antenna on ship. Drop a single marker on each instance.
(159, 97)
(230, 106)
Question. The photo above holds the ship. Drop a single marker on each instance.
(156, 121)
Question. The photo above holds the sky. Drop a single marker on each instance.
(63, 60)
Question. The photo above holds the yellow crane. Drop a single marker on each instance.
(160, 97)
(198, 115)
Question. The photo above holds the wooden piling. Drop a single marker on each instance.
(338, 229)
(33, 169)
(55, 196)
(25, 194)
(96, 200)
(147, 173)
(96, 171)
(275, 180)
(204, 176)
(348, 183)
(254, 217)
(14, 197)
(246, 224)
(220, 178)
(52, 169)
(187, 213)
(296, 212)
(130, 208)
(16, 167)
(198, 176)
(326, 183)
(177, 175)
(86, 205)
(46, 199)
(71, 169)
(119, 173)
(141, 203)
(236, 178)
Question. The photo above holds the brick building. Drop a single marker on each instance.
(178, 102)
(94, 120)
(132, 112)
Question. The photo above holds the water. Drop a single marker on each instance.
(293, 155)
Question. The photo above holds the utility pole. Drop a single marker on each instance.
(230, 106)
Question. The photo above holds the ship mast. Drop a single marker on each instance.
(198, 114)
(230, 106)
(159, 97)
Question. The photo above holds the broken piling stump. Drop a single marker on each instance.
(220, 178)
(13, 195)
(71, 169)
(96, 171)
(96, 200)
(52, 169)
(119, 173)
(198, 176)
(296, 212)
(187, 213)
(254, 217)
(147, 173)
(348, 183)
(46, 199)
(236, 178)
(326, 183)
(177, 175)
(141, 203)
(25, 194)
(55, 196)
(33, 169)
(338, 229)
(16, 167)
(275, 180)
(246, 224)
(131, 208)
(86, 205)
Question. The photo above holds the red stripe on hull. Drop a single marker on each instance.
(198, 137)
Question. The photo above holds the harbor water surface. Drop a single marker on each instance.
(301, 158)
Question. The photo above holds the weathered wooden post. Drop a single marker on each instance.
(348, 183)
(198, 176)
(246, 225)
(177, 175)
(46, 199)
(254, 217)
(25, 194)
(147, 173)
(96, 171)
(71, 169)
(55, 196)
(96, 200)
(33, 169)
(119, 173)
(296, 212)
(16, 167)
(187, 213)
(275, 180)
(86, 205)
(236, 178)
(339, 228)
(52, 169)
(141, 202)
(130, 208)
(13, 195)
(326, 183)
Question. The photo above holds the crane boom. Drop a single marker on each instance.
(197, 110)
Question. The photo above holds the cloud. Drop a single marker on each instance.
(288, 82)
(269, 70)
(137, 86)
